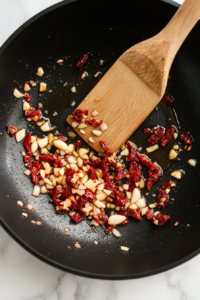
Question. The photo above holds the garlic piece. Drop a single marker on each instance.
(60, 145)
(34, 146)
(43, 142)
(95, 113)
(192, 162)
(175, 135)
(43, 87)
(73, 89)
(82, 131)
(17, 94)
(75, 124)
(172, 154)
(116, 233)
(45, 127)
(141, 203)
(135, 195)
(82, 152)
(99, 204)
(20, 135)
(26, 87)
(36, 191)
(26, 105)
(91, 139)
(152, 148)
(125, 152)
(40, 72)
(177, 174)
(82, 125)
(124, 248)
(103, 126)
(97, 132)
(116, 219)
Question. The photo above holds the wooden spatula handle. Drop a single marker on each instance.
(179, 27)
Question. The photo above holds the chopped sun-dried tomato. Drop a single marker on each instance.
(168, 99)
(149, 214)
(12, 130)
(27, 144)
(104, 165)
(145, 161)
(156, 135)
(96, 163)
(167, 137)
(79, 114)
(78, 216)
(187, 138)
(157, 219)
(135, 213)
(166, 185)
(154, 174)
(121, 201)
(105, 148)
(94, 122)
(77, 144)
(28, 98)
(92, 173)
(50, 158)
(61, 137)
(162, 199)
(134, 176)
(120, 173)
(34, 177)
(136, 166)
(132, 152)
(31, 113)
(90, 195)
(82, 61)
(109, 228)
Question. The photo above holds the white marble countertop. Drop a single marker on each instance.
(24, 277)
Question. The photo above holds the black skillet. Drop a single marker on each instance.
(98, 27)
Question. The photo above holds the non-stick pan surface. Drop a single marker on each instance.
(105, 28)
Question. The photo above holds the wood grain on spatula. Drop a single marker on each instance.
(135, 84)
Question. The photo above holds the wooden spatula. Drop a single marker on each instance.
(136, 82)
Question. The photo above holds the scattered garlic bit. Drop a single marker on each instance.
(27, 172)
(66, 229)
(125, 186)
(20, 203)
(103, 126)
(45, 127)
(60, 145)
(20, 135)
(101, 62)
(82, 125)
(26, 87)
(34, 146)
(125, 152)
(152, 148)
(177, 174)
(43, 142)
(176, 224)
(156, 213)
(123, 248)
(38, 223)
(167, 191)
(25, 215)
(26, 105)
(176, 147)
(136, 195)
(75, 124)
(128, 195)
(116, 219)
(17, 94)
(192, 162)
(73, 103)
(95, 242)
(29, 206)
(116, 233)
(141, 203)
(144, 210)
(172, 154)
(77, 245)
(73, 89)
(97, 132)
(83, 76)
(91, 139)
(173, 184)
(189, 148)
(60, 61)
(141, 183)
(40, 72)
(153, 205)
(175, 135)
(43, 87)
(36, 191)
(82, 152)
(95, 113)
(97, 74)
(33, 83)
(82, 131)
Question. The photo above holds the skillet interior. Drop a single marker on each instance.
(72, 30)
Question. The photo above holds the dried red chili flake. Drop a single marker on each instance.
(132, 152)
(79, 114)
(109, 228)
(34, 177)
(135, 213)
(94, 122)
(92, 173)
(27, 144)
(97, 220)
(31, 113)
(12, 130)
(120, 173)
(82, 61)
(121, 201)
(77, 144)
(156, 136)
(146, 130)
(162, 199)
(167, 137)
(105, 148)
(186, 138)
(168, 99)
(78, 216)
(28, 98)
(166, 185)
